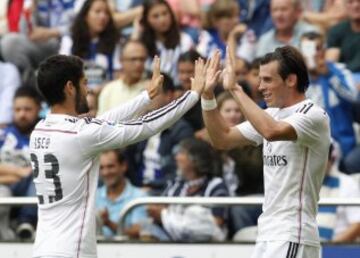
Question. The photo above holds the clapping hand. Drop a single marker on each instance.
(229, 76)
(198, 81)
(155, 86)
(213, 73)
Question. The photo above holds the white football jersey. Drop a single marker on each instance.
(293, 174)
(65, 159)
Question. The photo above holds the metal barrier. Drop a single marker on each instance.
(18, 201)
(221, 201)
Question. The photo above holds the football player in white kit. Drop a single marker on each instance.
(65, 150)
(296, 139)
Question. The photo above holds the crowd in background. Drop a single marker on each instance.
(117, 40)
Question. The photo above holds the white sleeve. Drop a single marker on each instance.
(128, 110)
(311, 124)
(250, 133)
(99, 135)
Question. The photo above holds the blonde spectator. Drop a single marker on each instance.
(224, 27)
(40, 28)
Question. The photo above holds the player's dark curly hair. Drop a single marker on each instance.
(148, 36)
(54, 73)
(290, 62)
(80, 33)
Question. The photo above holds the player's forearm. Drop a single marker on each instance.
(160, 119)
(216, 128)
(262, 121)
(349, 235)
(146, 126)
(129, 110)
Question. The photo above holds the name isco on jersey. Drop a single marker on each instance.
(275, 160)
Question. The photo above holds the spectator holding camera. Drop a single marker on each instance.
(332, 87)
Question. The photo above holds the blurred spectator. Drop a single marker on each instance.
(288, 29)
(159, 31)
(197, 167)
(339, 224)
(256, 15)
(125, 13)
(10, 81)
(42, 24)
(224, 28)
(242, 68)
(252, 78)
(242, 168)
(116, 192)
(332, 87)
(94, 38)
(131, 81)
(190, 14)
(324, 14)
(4, 21)
(186, 69)
(153, 159)
(15, 164)
(344, 38)
(6, 233)
(232, 115)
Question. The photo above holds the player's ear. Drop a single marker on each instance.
(69, 88)
(291, 81)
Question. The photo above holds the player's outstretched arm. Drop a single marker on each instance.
(221, 135)
(102, 135)
(138, 105)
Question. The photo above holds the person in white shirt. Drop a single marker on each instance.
(295, 137)
(65, 149)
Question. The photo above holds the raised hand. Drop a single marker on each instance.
(213, 72)
(155, 85)
(229, 76)
(237, 31)
(198, 82)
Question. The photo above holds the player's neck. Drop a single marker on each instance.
(293, 100)
(63, 109)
